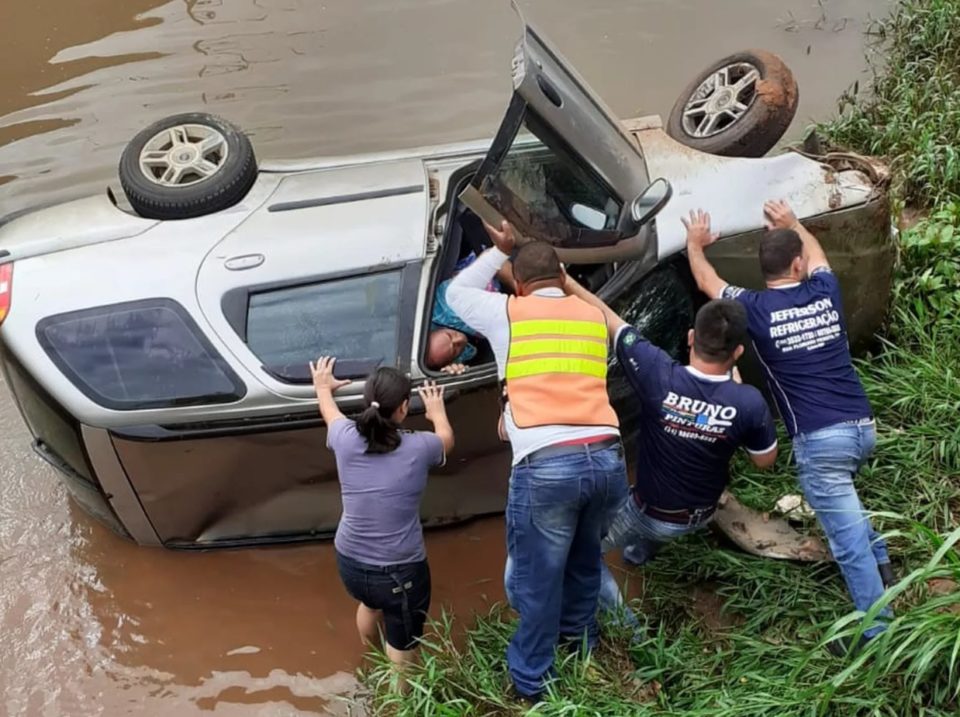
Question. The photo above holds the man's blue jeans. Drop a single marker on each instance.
(558, 509)
(827, 461)
(641, 537)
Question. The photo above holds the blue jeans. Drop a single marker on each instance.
(641, 537)
(827, 461)
(558, 509)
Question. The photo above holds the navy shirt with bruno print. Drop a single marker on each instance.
(691, 424)
(800, 336)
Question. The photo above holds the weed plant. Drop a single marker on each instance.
(909, 110)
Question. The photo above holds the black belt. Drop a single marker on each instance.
(570, 449)
(683, 516)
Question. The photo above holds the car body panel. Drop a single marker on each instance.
(90, 220)
(117, 487)
(733, 189)
(246, 484)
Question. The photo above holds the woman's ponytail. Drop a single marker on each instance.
(385, 391)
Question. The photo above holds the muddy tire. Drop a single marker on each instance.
(186, 166)
(738, 107)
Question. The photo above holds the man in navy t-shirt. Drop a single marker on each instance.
(692, 421)
(800, 337)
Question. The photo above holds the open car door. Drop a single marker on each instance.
(561, 168)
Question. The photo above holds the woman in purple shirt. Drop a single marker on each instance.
(383, 472)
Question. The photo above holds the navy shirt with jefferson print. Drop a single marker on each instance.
(691, 424)
(800, 336)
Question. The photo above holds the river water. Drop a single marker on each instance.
(90, 624)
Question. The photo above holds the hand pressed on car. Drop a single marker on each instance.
(325, 384)
(323, 378)
(779, 215)
(432, 396)
(699, 237)
(436, 412)
(698, 229)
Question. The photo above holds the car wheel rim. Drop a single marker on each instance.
(721, 99)
(183, 155)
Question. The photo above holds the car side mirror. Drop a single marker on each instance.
(646, 206)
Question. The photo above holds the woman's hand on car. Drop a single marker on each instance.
(779, 215)
(432, 396)
(503, 238)
(323, 378)
(454, 369)
(436, 411)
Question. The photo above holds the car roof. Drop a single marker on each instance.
(66, 226)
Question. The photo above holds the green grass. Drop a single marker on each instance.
(769, 663)
(766, 655)
(910, 110)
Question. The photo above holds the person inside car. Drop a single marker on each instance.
(382, 471)
(451, 344)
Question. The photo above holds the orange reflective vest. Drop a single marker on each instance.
(557, 363)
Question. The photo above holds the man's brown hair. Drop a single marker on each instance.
(536, 261)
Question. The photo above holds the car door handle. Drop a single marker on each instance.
(549, 91)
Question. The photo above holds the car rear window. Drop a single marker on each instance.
(137, 355)
(355, 319)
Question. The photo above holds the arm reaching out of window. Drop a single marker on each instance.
(325, 384)
(780, 216)
(467, 292)
(699, 237)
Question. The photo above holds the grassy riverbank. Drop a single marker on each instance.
(761, 654)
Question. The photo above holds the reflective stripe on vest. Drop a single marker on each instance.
(557, 363)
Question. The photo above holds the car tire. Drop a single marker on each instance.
(186, 166)
(744, 115)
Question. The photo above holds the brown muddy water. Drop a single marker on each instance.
(92, 625)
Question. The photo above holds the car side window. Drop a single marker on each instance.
(355, 319)
(545, 190)
(138, 355)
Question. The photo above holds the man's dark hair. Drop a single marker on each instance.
(720, 326)
(536, 261)
(778, 249)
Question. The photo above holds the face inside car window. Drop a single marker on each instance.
(351, 318)
(547, 192)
